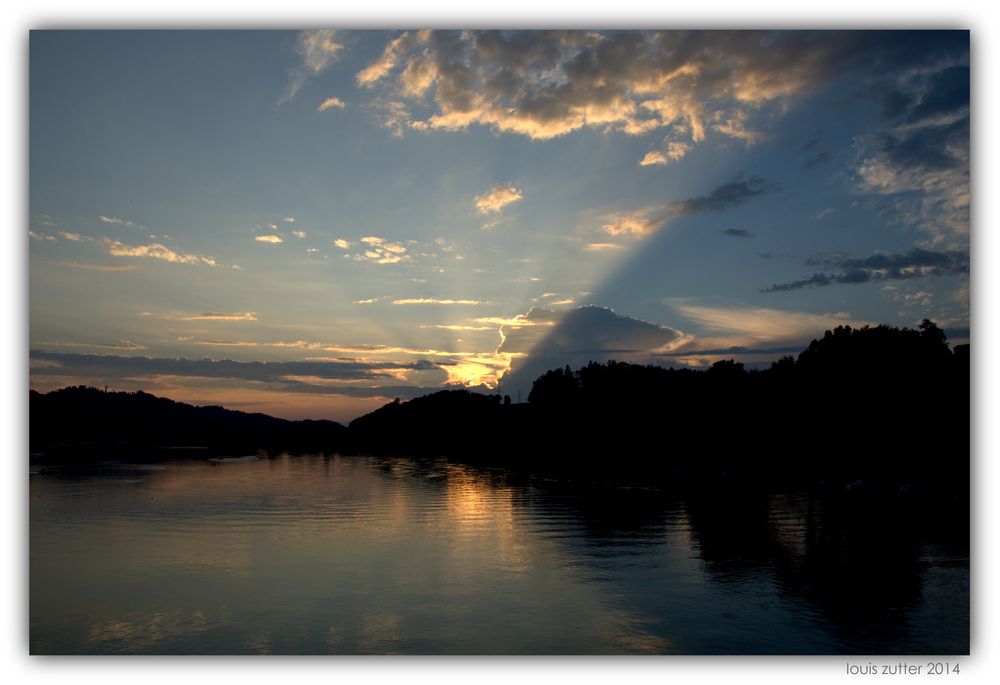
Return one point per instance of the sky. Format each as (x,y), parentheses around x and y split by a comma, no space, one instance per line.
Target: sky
(311,224)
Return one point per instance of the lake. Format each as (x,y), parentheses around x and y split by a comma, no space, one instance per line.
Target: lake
(359,555)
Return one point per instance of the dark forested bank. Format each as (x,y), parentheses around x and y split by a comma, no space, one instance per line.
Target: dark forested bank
(82,423)
(879,404)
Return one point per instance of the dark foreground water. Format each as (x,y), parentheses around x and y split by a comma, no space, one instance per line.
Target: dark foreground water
(331,555)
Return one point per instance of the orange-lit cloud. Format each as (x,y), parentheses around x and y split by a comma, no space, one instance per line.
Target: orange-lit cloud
(390,57)
(109,266)
(120,345)
(497,198)
(379,251)
(557,82)
(672,151)
(115,220)
(221,316)
(227,343)
(458,327)
(636,223)
(330,103)
(434,300)
(272,239)
(156,251)
(318,49)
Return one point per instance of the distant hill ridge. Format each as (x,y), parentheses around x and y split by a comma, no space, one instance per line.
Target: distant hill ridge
(78,415)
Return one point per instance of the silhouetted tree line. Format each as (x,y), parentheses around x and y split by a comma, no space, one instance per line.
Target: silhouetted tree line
(875,403)
(880,403)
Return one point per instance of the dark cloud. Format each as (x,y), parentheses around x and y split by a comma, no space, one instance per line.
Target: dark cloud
(287,375)
(919,162)
(736,349)
(576,337)
(880,266)
(738,233)
(727,196)
(942,93)
(929,147)
(822,158)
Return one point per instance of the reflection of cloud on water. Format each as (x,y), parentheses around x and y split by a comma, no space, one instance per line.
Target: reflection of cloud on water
(138,634)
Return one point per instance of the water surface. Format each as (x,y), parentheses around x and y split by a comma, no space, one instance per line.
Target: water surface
(335,555)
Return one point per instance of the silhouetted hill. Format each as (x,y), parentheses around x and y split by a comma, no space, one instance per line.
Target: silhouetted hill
(141,425)
(446,422)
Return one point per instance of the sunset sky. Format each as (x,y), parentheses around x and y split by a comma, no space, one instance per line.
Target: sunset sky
(311,224)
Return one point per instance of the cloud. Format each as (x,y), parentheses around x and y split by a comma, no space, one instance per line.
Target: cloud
(156,251)
(654,157)
(672,151)
(434,300)
(738,233)
(272,239)
(921,162)
(544,339)
(227,343)
(72,237)
(727,196)
(498,197)
(317,49)
(349,377)
(299,234)
(120,345)
(917,263)
(821,158)
(733,124)
(546,84)
(458,327)
(393,115)
(34,235)
(390,57)
(377,250)
(221,316)
(760,330)
(330,103)
(583,330)
(598,247)
(109,266)
(637,223)
(337,375)
(115,220)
